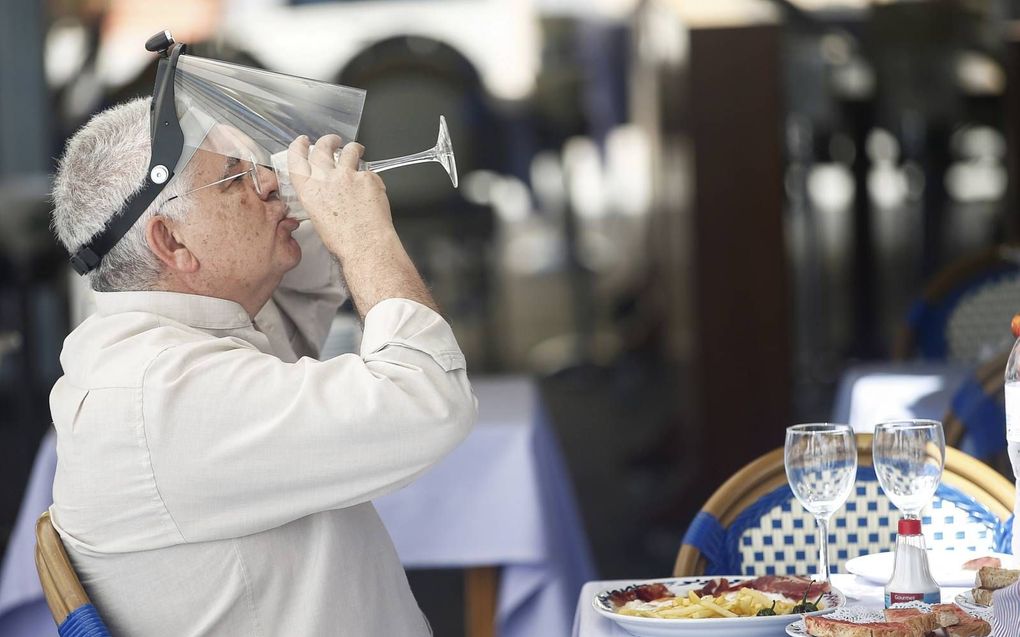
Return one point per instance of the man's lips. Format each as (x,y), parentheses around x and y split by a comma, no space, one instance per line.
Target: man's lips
(289,224)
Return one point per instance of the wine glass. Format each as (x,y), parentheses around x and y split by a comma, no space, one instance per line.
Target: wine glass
(442,153)
(821,466)
(909,456)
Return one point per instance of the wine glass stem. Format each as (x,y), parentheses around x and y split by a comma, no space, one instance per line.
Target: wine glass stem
(823,547)
(380,165)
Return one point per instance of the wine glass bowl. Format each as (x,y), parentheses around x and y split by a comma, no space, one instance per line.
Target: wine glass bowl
(909,456)
(821,467)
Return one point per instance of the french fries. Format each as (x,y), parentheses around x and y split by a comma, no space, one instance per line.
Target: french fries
(745,602)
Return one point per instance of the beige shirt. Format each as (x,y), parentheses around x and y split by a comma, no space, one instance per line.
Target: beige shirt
(211,482)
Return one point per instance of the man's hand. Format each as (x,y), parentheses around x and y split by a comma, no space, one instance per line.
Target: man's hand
(347,206)
(352,216)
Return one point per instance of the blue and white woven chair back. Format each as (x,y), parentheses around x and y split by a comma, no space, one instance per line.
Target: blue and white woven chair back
(977,327)
(970,324)
(776,536)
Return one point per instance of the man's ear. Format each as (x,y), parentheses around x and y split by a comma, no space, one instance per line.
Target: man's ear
(168,248)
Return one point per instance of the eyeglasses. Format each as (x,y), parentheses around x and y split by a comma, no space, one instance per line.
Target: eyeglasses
(253,171)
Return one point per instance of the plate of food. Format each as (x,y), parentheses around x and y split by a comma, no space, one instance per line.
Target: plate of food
(949,568)
(737,605)
(988,580)
(902,620)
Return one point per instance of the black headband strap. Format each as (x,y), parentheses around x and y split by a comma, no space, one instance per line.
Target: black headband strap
(167,144)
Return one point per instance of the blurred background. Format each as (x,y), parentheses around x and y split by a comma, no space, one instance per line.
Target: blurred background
(684,219)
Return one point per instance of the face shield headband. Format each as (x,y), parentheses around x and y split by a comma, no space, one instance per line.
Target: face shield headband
(167,145)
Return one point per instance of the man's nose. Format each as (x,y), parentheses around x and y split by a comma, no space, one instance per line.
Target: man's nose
(267,180)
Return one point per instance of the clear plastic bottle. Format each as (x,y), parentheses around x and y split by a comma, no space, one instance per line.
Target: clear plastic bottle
(1013,428)
(911,579)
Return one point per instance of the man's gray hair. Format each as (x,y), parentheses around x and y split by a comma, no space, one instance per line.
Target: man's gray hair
(104,163)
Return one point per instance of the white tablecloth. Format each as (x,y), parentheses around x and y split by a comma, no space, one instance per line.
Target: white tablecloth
(588,623)
(502,498)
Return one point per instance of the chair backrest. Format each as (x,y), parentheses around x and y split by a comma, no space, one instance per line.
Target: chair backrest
(411,81)
(72,611)
(753,524)
(964,312)
(976,419)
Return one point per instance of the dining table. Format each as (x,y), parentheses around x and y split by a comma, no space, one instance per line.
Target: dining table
(858,591)
(502,499)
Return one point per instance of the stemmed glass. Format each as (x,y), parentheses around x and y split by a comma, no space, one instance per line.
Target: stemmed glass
(909,456)
(821,466)
(442,153)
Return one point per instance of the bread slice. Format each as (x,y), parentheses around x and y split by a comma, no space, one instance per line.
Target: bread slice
(982,596)
(948,614)
(995,578)
(904,622)
(917,621)
(973,627)
(824,627)
(960,623)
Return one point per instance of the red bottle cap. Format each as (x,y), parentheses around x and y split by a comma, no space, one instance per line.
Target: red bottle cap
(909,526)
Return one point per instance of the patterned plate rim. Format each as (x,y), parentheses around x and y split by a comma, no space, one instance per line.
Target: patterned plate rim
(835,598)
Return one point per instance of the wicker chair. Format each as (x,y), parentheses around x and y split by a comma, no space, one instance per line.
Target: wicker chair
(964,312)
(963,316)
(74,613)
(976,418)
(753,524)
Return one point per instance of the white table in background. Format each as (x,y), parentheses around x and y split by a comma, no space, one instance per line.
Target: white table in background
(503,498)
(588,623)
(871,393)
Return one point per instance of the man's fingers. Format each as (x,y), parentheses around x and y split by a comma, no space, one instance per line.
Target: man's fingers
(297,161)
(322,155)
(350,156)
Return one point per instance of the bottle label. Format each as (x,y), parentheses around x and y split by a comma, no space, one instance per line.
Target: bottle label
(1013,412)
(898,598)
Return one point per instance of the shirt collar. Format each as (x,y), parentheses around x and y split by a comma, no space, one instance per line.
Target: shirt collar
(204,312)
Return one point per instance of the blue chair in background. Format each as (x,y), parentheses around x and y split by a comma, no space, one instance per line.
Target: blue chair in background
(753,524)
(976,419)
(963,314)
(74,613)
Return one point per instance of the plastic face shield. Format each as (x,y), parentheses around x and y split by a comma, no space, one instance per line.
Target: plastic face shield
(267,110)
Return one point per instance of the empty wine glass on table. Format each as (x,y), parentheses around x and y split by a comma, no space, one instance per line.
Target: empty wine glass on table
(821,466)
(909,456)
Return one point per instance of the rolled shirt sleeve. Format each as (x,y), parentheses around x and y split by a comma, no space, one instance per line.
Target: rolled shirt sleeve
(240,441)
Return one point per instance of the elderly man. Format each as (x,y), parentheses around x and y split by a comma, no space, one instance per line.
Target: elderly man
(214,478)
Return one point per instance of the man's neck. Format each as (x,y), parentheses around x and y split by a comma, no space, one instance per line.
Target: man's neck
(251,301)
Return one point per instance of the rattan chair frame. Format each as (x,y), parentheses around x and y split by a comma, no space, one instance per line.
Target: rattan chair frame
(64,592)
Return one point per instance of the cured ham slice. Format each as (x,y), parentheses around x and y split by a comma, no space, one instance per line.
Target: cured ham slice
(978,562)
(643,592)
